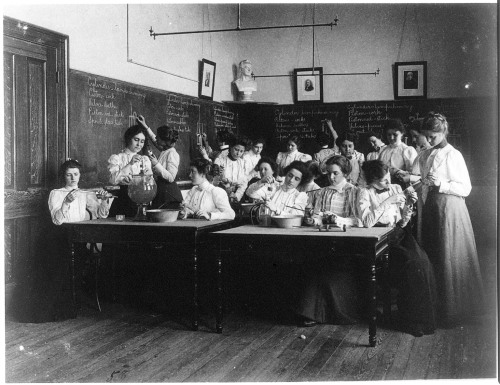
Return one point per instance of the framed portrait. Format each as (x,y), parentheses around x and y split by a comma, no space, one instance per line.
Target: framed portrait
(308,85)
(206,79)
(410,80)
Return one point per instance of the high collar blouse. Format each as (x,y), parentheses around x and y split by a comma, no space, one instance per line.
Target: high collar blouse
(285,158)
(374,209)
(211,199)
(340,200)
(77,210)
(400,156)
(168,164)
(250,159)
(448,165)
(119,167)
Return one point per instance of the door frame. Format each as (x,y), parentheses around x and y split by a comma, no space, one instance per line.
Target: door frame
(57,132)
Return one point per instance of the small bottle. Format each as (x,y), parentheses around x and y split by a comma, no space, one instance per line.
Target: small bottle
(265,216)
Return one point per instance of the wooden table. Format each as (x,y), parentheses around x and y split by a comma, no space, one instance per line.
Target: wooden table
(295,243)
(188,235)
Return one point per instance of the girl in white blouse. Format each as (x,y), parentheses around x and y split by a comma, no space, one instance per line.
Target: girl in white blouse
(447,233)
(234,177)
(205,200)
(165,167)
(285,158)
(287,199)
(131,161)
(397,155)
(267,185)
(69,204)
(384,204)
(252,157)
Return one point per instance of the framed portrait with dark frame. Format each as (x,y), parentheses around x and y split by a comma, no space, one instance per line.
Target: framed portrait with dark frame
(410,80)
(206,79)
(308,85)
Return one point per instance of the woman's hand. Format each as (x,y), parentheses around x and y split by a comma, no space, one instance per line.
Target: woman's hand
(142,121)
(127,179)
(135,159)
(102,195)
(152,157)
(267,179)
(70,197)
(271,206)
(202,214)
(398,199)
(433,180)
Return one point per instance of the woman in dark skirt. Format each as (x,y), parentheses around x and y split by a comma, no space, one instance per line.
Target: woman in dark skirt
(385,204)
(447,234)
(331,293)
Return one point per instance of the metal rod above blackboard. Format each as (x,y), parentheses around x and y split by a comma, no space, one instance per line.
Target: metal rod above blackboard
(334,74)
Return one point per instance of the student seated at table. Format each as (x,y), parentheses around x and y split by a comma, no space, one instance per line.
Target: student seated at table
(332,292)
(233,177)
(205,200)
(286,199)
(266,185)
(385,204)
(252,157)
(69,204)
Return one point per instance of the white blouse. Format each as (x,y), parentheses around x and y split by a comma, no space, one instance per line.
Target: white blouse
(375,154)
(77,208)
(211,199)
(448,165)
(261,191)
(168,164)
(285,158)
(398,156)
(289,202)
(119,168)
(373,209)
(250,159)
(234,171)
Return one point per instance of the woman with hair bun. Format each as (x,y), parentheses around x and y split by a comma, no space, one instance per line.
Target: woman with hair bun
(292,154)
(205,200)
(447,233)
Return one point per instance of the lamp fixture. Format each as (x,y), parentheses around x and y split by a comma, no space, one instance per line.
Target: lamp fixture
(238,28)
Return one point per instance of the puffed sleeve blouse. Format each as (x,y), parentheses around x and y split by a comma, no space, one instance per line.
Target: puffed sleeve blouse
(261,191)
(77,210)
(399,156)
(211,199)
(373,210)
(289,202)
(168,164)
(449,166)
(285,158)
(234,171)
(119,167)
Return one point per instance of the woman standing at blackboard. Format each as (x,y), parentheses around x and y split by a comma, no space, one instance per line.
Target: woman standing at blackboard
(397,155)
(447,232)
(165,167)
(131,161)
(285,158)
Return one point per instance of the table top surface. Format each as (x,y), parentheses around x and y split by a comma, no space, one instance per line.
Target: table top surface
(375,233)
(186,223)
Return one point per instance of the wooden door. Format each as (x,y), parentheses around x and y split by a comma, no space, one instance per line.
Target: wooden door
(35,139)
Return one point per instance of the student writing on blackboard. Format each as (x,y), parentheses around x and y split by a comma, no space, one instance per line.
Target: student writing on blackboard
(208,153)
(324,140)
(133,160)
(234,177)
(165,167)
(397,155)
(292,154)
(376,143)
(448,237)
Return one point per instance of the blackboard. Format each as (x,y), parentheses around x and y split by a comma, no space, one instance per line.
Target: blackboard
(473,125)
(101,110)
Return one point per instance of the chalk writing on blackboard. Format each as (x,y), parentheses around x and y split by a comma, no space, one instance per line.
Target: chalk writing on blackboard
(223,119)
(177,113)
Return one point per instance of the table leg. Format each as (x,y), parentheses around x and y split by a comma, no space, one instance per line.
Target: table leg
(73,279)
(195,289)
(219,314)
(386,287)
(372,327)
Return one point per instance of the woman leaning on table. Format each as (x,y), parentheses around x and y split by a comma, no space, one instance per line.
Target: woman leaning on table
(332,292)
(447,234)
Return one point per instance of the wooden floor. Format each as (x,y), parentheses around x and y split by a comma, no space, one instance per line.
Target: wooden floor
(121,344)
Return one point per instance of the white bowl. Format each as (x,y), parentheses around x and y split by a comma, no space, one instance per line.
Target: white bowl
(287,221)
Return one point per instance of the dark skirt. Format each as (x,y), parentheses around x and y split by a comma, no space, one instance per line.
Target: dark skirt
(448,239)
(123,204)
(168,195)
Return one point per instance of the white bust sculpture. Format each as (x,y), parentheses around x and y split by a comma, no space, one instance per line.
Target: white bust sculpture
(245,83)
